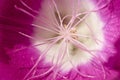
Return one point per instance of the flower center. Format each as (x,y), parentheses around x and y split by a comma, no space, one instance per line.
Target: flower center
(69,37)
(66,33)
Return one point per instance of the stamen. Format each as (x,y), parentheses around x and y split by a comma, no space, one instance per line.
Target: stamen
(92,32)
(57,10)
(58,13)
(24,4)
(25,11)
(81,74)
(79,45)
(76,16)
(65,18)
(28,36)
(28,13)
(34,72)
(95,10)
(74,13)
(83,13)
(43,74)
(60,57)
(82,46)
(46,23)
(102,7)
(80,35)
(35,45)
(102,67)
(43,40)
(41,56)
(71,22)
(80,21)
(47,29)
(75,42)
(57,24)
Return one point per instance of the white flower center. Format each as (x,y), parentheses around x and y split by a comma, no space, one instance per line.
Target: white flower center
(69,36)
(68,33)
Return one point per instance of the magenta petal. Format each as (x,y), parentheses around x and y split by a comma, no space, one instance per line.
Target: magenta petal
(14,65)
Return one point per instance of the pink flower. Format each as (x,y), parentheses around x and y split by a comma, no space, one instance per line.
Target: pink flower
(65,40)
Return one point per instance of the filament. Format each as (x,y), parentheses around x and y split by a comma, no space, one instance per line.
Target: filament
(43,74)
(24,4)
(47,29)
(25,11)
(58,13)
(41,56)
(69,58)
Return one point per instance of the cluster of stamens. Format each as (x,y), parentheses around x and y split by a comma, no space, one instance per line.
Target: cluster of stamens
(66,34)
